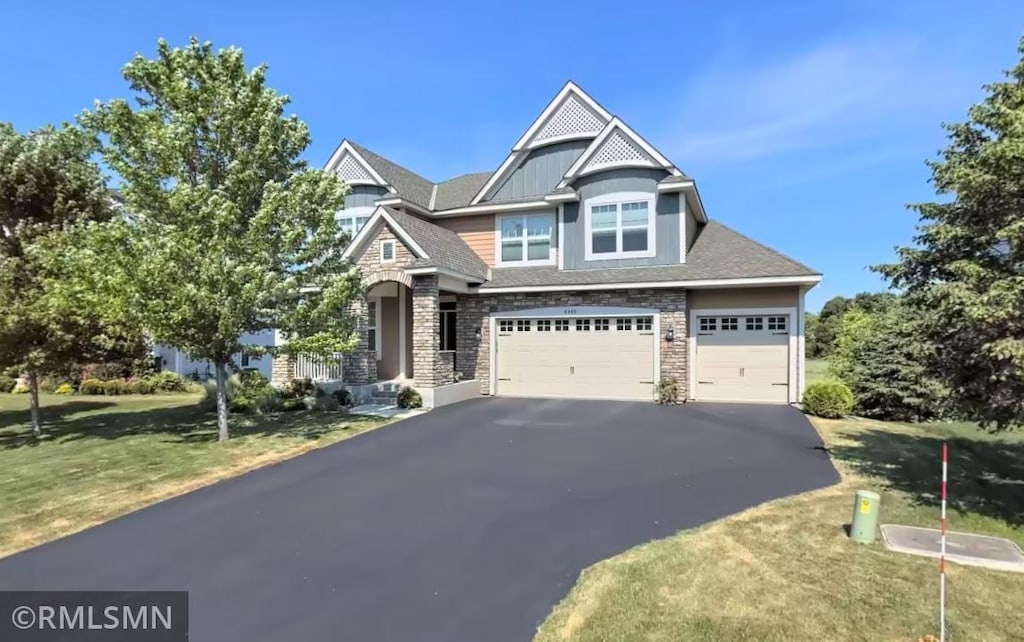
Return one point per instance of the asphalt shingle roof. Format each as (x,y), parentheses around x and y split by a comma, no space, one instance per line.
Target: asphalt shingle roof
(410,185)
(719,252)
(444,247)
(459,191)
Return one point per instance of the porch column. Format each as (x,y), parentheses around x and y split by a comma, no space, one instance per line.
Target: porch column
(426,332)
(359,365)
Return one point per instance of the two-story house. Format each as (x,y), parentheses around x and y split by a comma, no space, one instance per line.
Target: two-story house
(584,266)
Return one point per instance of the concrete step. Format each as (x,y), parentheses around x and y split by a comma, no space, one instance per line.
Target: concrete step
(379,400)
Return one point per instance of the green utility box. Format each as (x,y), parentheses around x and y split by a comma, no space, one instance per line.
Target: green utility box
(864,524)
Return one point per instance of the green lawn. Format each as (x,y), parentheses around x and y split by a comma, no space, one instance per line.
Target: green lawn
(785,570)
(105,456)
(815,370)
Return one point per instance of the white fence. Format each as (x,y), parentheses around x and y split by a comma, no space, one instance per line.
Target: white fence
(317,368)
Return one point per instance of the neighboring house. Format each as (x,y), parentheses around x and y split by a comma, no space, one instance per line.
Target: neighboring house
(583,266)
(178,361)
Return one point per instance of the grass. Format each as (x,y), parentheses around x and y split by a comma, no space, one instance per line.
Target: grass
(815,370)
(106,456)
(785,570)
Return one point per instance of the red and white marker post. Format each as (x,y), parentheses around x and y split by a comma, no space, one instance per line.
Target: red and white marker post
(942,546)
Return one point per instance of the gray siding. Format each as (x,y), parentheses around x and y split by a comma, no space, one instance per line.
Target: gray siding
(622,180)
(691,228)
(541,171)
(363,195)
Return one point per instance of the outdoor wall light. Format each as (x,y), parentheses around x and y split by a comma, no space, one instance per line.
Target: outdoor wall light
(477,334)
(670,333)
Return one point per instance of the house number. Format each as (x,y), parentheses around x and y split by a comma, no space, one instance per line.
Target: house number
(569,311)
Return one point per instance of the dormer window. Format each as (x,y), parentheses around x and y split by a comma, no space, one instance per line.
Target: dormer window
(620,226)
(525,239)
(352,220)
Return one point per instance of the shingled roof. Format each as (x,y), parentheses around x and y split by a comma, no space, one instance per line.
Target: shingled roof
(408,184)
(719,252)
(444,248)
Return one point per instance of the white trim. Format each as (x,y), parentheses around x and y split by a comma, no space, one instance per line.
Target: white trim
(402,365)
(488,208)
(433,197)
(656,326)
(377,341)
(576,169)
(562,198)
(452,285)
(700,204)
(399,201)
(492,349)
(696,283)
(617,199)
(801,363)
(346,147)
(363,235)
(683,213)
(499,262)
(394,250)
(560,215)
(674,186)
(692,354)
(442,272)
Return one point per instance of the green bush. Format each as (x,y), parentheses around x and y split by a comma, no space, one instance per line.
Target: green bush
(327,403)
(409,398)
(140,387)
(300,388)
(668,391)
(7,383)
(90,387)
(20,389)
(64,389)
(114,387)
(49,384)
(344,397)
(248,391)
(167,381)
(831,399)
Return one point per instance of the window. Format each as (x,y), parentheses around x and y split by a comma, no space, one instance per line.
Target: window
(387,251)
(582,325)
(777,323)
(543,325)
(448,328)
(523,325)
(525,239)
(600,324)
(755,323)
(623,324)
(643,324)
(730,323)
(505,325)
(371,326)
(561,325)
(620,226)
(708,324)
(352,220)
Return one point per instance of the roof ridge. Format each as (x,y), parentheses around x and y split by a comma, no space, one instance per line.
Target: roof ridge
(362,149)
(761,245)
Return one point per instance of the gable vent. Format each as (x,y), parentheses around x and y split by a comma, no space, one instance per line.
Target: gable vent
(350,171)
(618,150)
(573,118)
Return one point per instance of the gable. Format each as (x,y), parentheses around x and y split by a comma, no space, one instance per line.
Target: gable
(617,147)
(540,172)
(368,255)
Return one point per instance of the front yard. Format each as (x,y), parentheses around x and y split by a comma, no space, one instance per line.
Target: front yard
(786,570)
(106,456)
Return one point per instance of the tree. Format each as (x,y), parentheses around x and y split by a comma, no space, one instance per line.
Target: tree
(229,231)
(883,359)
(811,322)
(965,273)
(827,328)
(48,186)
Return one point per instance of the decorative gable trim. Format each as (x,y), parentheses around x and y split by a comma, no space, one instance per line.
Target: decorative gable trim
(370,231)
(617,146)
(351,167)
(571,114)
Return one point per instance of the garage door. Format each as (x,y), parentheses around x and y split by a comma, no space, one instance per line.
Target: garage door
(594,357)
(743,358)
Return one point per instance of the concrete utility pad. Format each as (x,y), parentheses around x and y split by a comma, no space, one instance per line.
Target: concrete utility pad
(963,548)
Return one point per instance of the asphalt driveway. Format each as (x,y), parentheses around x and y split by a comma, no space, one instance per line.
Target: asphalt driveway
(464,524)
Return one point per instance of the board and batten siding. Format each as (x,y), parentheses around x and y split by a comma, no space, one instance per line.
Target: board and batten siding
(363,195)
(691,228)
(622,180)
(725,298)
(476,231)
(541,171)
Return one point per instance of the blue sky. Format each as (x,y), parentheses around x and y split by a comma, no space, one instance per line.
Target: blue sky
(806,125)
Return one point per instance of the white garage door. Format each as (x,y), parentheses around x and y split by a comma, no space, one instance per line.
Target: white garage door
(743,358)
(594,357)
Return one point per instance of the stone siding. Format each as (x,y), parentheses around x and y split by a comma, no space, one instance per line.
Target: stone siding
(282,369)
(428,370)
(369,261)
(473,312)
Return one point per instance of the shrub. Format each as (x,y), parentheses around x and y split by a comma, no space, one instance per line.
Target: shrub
(327,403)
(48,384)
(91,387)
(668,391)
(167,381)
(830,399)
(64,389)
(409,398)
(7,383)
(20,389)
(104,371)
(140,387)
(248,391)
(114,387)
(344,397)
(299,388)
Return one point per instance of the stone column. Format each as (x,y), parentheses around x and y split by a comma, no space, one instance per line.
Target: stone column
(282,369)
(359,365)
(426,333)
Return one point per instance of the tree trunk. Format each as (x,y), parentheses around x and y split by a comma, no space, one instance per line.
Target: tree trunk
(222,402)
(33,402)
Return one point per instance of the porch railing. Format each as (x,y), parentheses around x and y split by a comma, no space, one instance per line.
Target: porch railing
(317,368)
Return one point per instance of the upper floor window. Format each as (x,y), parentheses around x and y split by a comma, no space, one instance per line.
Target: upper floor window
(620,226)
(387,251)
(352,220)
(525,239)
